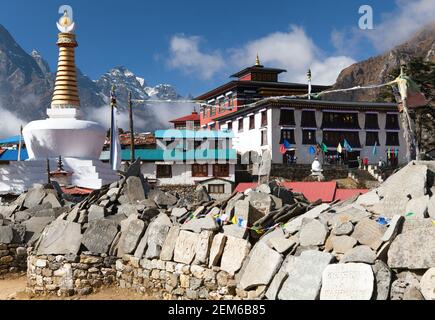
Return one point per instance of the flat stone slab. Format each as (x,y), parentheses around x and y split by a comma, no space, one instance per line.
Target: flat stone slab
(96,213)
(169,245)
(99,236)
(313,233)
(34,197)
(197,225)
(52,200)
(352,281)
(235,252)
(157,232)
(359,254)
(216,250)
(417,206)
(383,277)
(129,240)
(431,207)
(235,231)
(427,284)
(134,190)
(411,180)
(185,247)
(342,244)
(305,276)
(60,237)
(282,245)
(264,262)
(6,234)
(412,249)
(34,227)
(203,247)
(393,228)
(369,232)
(295,225)
(178,212)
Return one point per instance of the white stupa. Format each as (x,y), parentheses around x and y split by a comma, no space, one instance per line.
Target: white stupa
(78,142)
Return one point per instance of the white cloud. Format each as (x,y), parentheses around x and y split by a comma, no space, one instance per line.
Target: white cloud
(393,29)
(292,50)
(10,124)
(186,56)
(170,111)
(295,52)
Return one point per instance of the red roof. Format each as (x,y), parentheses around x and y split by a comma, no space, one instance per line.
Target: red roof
(344,194)
(76,191)
(326,191)
(314,191)
(191,117)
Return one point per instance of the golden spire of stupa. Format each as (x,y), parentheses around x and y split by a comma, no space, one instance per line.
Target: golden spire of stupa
(257,61)
(66,94)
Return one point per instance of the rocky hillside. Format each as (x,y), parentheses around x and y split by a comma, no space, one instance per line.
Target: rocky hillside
(26,85)
(375,70)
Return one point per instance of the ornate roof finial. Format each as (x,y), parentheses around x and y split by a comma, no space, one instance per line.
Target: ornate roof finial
(257,61)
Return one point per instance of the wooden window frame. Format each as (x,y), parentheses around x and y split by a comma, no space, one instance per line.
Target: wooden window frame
(221,173)
(196,173)
(221,187)
(159,174)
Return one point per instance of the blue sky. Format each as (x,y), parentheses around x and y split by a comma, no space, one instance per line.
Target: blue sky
(195,45)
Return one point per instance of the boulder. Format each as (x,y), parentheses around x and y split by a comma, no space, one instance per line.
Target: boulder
(200,224)
(427,284)
(235,252)
(369,232)
(305,276)
(243,209)
(313,233)
(127,209)
(260,201)
(342,244)
(34,196)
(162,199)
(410,250)
(99,236)
(234,230)
(52,200)
(417,206)
(6,234)
(269,260)
(295,225)
(342,229)
(359,254)
(383,277)
(60,238)
(96,213)
(34,227)
(134,190)
(281,244)
(351,281)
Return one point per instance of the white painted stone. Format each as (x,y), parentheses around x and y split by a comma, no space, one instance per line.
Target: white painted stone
(351,281)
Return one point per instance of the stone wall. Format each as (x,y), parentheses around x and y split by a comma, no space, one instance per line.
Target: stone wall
(299,172)
(69,275)
(12,258)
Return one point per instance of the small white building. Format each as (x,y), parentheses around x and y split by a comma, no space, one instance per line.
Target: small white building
(373,130)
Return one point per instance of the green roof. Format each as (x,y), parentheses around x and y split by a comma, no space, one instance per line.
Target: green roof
(176,155)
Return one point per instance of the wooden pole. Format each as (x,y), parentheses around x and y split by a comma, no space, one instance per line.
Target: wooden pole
(48,171)
(130,110)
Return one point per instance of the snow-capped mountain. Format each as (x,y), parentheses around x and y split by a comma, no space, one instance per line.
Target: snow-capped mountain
(26,87)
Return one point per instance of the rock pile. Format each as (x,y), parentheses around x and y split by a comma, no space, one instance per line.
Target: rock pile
(264,243)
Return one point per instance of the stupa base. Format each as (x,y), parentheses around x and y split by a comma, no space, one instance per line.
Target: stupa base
(17,177)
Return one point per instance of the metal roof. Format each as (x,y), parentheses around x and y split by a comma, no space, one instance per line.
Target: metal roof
(11,140)
(193,134)
(175,155)
(12,155)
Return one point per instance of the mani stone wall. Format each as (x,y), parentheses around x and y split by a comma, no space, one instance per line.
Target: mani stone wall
(12,258)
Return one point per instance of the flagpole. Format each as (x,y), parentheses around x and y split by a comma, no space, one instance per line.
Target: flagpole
(132,146)
(112,125)
(20,143)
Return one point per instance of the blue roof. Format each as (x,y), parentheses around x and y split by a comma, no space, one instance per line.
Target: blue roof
(176,155)
(11,140)
(12,155)
(192,134)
